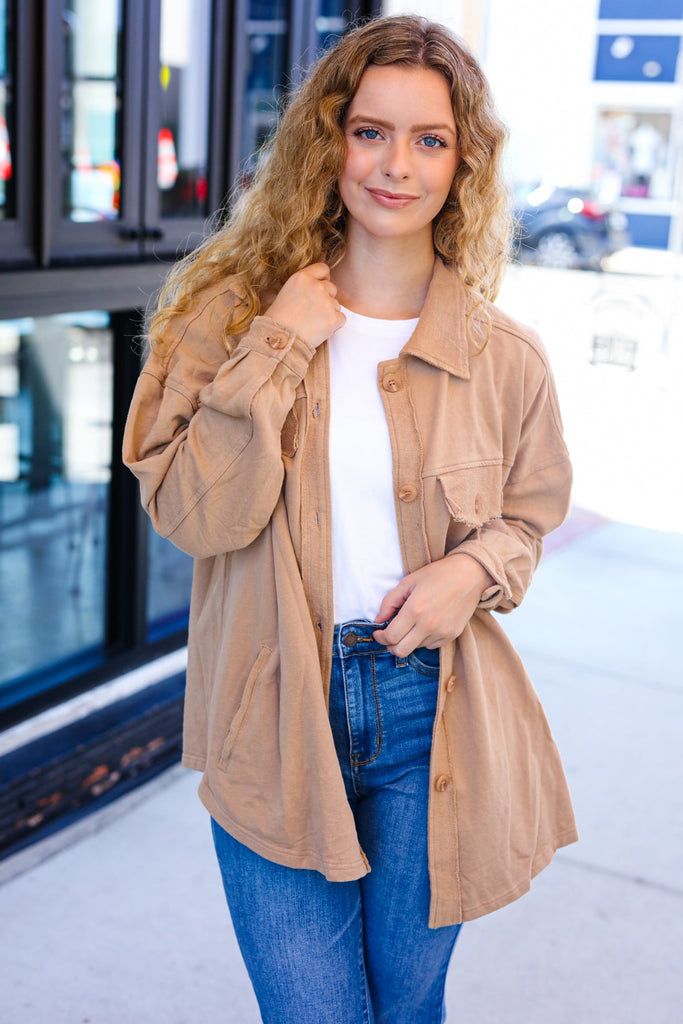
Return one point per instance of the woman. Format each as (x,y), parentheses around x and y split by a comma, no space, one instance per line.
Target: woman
(362,454)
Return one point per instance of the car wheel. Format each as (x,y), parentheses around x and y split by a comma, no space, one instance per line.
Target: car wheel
(557,249)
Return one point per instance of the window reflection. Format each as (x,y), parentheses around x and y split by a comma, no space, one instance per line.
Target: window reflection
(184,78)
(267,35)
(633,154)
(169,581)
(7,23)
(332,22)
(55,458)
(91,110)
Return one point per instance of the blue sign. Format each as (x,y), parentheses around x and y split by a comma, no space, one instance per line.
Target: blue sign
(637,58)
(650,10)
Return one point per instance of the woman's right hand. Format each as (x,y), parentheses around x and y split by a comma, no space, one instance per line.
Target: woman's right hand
(307,304)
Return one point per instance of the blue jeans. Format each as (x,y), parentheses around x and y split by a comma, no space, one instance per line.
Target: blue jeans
(360,952)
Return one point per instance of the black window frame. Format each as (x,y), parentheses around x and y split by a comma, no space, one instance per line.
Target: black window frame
(139,232)
(63,240)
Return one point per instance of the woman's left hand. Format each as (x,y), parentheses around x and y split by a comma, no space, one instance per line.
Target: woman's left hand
(432,605)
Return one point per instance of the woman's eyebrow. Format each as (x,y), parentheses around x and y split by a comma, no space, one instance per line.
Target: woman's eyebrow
(432,128)
(369,119)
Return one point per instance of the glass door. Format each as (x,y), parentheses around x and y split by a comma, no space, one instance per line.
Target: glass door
(332,22)
(16,96)
(55,467)
(134,137)
(178,193)
(262,36)
(7,110)
(90,108)
(93,192)
(267,32)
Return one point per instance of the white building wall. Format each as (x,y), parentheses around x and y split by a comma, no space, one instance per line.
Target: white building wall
(448,12)
(538,55)
(539,58)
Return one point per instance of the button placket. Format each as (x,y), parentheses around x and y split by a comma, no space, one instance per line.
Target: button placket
(406,447)
(316,569)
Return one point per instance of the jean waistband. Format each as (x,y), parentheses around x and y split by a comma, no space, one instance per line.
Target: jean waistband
(355,637)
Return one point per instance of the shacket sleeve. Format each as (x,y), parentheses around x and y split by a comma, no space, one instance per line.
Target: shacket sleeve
(203,430)
(536,498)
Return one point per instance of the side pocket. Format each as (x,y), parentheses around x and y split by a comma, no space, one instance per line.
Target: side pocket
(243,709)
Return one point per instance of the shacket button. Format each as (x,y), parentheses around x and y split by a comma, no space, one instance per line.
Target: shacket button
(408,492)
(276,339)
(390,383)
(451,683)
(442,783)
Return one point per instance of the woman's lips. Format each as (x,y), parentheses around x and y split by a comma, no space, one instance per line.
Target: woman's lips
(392,200)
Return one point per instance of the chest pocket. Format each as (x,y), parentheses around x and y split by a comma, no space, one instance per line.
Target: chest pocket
(473,494)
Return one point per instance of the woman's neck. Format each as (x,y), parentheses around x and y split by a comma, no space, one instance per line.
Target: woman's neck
(386,281)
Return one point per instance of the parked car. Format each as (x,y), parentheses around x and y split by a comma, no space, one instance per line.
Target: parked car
(563,227)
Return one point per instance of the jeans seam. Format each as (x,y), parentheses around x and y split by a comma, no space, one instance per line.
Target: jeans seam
(378,714)
(365,987)
(440,987)
(355,781)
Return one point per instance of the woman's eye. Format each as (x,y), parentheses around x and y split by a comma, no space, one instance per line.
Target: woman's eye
(432,141)
(368,133)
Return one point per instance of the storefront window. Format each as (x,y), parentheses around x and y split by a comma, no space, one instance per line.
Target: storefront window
(267,37)
(91,110)
(55,461)
(169,581)
(7,133)
(332,22)
(184,78)
(633,156)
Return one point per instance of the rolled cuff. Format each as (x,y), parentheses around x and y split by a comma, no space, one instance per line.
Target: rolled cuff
(270,338)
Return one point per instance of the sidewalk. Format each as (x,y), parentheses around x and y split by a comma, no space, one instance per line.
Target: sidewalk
(123,921)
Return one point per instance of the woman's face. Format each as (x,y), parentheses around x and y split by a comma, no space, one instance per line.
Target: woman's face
(401,153)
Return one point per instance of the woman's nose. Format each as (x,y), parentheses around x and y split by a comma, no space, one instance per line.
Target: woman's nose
(397,161)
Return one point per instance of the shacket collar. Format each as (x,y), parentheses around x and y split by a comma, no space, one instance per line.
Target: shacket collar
(440,337)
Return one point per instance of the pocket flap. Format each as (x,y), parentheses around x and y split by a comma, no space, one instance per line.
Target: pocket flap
(474,494)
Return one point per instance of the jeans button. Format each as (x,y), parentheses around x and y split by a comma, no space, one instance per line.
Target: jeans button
(350,640)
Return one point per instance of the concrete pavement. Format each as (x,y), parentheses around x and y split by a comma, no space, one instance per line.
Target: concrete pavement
(122,921)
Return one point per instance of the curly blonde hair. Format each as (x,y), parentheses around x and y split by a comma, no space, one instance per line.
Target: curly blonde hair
(291,213)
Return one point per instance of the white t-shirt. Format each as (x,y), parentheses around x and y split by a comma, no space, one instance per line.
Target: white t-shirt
(366,554)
